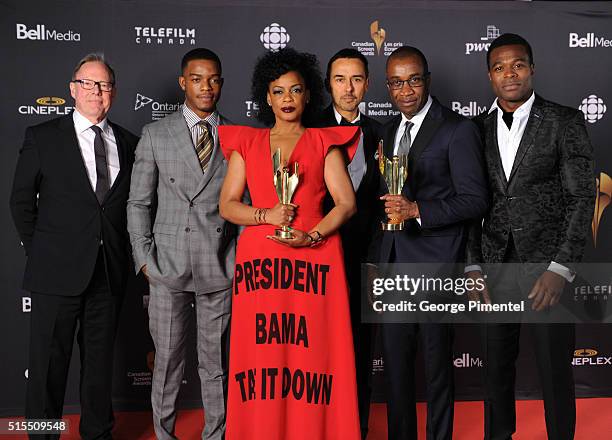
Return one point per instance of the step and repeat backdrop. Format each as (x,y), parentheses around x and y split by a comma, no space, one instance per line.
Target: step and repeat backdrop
(145,40)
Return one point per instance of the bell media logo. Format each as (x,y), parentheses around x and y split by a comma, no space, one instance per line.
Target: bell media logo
(46,105)
(274,37)
(467,360)
(492,32)
(590,40)
(41,33)
(593,108)
(378,37)
(165,35)
(471,109)
(159,110)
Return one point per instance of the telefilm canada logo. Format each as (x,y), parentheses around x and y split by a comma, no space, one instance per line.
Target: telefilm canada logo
(40,32)
(588,357)
(251,109)
(378,42)
(588,40)
(165,35)
(593,108)
(159,110)
(492,32)
(47,106)
(274,37)
(469,109)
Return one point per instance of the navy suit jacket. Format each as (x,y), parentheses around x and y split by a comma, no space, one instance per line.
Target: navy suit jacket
(446,177)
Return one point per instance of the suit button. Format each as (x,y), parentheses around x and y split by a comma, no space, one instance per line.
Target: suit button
(191,204)
(218,229)
(187,229)
(171,179)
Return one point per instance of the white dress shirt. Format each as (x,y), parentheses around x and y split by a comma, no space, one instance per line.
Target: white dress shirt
(508,141)
(417,121)
(86,136)
(195,129)
(357,167)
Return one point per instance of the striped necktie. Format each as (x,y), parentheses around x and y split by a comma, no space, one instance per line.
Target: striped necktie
(205,144)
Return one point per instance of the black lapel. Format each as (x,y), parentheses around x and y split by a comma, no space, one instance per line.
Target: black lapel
(533,123)
(389,136)
(433,120)
(490,127)
(74,158)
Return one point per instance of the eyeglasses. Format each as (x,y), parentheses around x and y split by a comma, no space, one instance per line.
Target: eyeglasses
(89,84)
(415,81)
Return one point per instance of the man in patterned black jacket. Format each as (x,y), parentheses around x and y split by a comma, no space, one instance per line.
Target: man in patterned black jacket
(541,178)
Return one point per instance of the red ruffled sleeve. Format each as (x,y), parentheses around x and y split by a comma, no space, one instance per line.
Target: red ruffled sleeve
(344,137)
(235,138)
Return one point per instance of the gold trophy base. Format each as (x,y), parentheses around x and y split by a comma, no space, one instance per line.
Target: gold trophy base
(392,226)
(281,233)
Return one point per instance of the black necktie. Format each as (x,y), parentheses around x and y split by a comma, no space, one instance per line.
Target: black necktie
(345,122)
(103,180)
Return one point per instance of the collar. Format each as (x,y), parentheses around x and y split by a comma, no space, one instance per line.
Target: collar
(192,118)
(81,123)
(524,109)
(339,116)
(418,118)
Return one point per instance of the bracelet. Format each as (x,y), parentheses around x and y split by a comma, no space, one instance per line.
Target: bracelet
(260,215)
(317,239)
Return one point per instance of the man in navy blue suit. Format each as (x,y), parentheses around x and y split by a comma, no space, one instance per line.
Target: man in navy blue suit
(446,189)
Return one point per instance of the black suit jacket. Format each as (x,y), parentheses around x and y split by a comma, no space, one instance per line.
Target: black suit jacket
(358,231)
(61,229)
(547,204)
(446,177)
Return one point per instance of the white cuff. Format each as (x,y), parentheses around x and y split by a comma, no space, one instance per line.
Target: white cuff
(559,269)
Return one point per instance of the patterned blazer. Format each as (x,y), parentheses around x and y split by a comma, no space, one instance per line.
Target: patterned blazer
(547,204)
(173,211)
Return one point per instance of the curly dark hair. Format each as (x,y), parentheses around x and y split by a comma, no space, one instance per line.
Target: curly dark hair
(273,65)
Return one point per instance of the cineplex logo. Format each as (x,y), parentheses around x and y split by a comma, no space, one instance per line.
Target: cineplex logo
(588,40)
(588,356)
(165,35)
(41,33)
(47,105)
(491,34)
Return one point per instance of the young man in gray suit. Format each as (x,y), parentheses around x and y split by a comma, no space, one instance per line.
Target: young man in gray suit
(187,253)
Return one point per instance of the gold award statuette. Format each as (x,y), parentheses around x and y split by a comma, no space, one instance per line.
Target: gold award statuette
(395,173)
(285,187)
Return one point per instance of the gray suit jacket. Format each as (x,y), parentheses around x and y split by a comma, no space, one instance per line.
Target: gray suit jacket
(173,211)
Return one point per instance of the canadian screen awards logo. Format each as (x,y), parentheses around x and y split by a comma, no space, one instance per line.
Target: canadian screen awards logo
(159,110)
(46,105)
(274,37)
(492,32)
(602,200)
(593,108)
(40,32)
(378,43)
(165,35)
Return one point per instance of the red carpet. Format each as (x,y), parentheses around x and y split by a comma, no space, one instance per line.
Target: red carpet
(594,422)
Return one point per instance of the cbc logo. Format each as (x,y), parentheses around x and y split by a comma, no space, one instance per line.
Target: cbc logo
(593,108)
(274,37)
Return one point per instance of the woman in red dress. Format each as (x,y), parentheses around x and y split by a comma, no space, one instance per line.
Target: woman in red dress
(291,373)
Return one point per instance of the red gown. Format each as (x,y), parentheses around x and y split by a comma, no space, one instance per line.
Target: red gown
(291,370)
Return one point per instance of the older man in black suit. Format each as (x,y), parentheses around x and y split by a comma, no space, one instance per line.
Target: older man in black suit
(540,167)
(68,203)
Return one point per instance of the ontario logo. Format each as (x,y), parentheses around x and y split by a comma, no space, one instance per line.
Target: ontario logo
(165,35)
(159,110)
(491,33)
(274,37)
(46,105)
(377,42)
(41,33)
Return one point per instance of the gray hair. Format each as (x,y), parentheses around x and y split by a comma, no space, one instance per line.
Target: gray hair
(94,57)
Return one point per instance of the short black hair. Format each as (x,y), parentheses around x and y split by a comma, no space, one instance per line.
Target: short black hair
(272,66)
(345,53)
(409,51)
(200,53)
(509,40)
